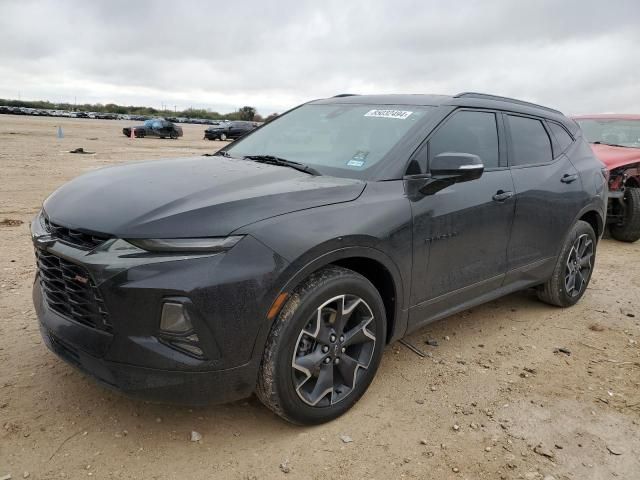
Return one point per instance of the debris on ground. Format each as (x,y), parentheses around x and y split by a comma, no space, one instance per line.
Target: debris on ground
(284,467)
(615,450)
(431,342)
(10,222)
(413,348)
(540,449)
(596,327)
(196,436)
(564,350)
(81,150)
(346,439)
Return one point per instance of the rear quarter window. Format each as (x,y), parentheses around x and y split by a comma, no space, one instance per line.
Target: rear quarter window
(563,139)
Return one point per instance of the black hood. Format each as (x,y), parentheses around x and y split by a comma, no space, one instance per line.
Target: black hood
(189,197)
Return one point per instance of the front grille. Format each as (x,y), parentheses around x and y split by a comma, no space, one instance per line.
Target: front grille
(70,291)
(73,237)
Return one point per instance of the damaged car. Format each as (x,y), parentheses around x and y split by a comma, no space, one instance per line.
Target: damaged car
(615,140)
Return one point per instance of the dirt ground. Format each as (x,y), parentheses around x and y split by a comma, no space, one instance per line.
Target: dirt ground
(491,401)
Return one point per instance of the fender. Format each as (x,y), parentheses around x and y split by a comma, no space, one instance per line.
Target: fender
(593,206)
(302,268)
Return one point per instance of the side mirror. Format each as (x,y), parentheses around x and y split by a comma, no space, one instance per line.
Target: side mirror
(455,166)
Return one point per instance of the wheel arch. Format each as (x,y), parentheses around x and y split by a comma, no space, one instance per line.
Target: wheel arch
(593,218)
(376,267)
(633,182)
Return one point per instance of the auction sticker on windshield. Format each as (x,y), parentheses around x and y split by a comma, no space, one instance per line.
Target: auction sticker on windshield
(398,114)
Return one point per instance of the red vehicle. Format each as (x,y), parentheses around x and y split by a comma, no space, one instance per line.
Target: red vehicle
(615,140)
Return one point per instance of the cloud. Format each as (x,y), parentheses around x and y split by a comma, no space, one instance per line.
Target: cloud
(579,56)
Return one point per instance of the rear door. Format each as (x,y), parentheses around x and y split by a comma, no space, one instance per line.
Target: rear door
(548,197)
(461,233)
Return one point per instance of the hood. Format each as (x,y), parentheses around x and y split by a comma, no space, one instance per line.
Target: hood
(189,197)
(614,157)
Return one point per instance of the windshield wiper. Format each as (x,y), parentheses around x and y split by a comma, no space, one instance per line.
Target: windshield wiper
(272,160)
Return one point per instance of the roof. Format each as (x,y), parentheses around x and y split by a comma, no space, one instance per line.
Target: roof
(389,99)
(608,116)
(468,99)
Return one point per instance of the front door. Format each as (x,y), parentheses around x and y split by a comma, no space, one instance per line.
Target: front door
(461,233)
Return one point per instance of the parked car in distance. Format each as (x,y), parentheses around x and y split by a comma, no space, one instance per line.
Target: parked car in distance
(229,130)
(157,127)
(615,139)
(285,264)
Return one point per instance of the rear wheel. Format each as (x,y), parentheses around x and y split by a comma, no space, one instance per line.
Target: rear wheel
(628,230)
(223,137)
(324,348)
(573,268)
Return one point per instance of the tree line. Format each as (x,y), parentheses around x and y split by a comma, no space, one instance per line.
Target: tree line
(244,113)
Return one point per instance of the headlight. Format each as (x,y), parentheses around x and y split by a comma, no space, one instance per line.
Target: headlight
(211,244)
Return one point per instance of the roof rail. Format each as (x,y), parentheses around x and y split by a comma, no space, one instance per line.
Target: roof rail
(486,96)
(340,95)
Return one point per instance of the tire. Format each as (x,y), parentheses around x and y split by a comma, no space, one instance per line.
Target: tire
(296,380)
(223,137)
(629,229)
(576,259)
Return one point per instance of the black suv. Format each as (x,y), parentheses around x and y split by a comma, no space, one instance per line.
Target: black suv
(229,130)
(287,262)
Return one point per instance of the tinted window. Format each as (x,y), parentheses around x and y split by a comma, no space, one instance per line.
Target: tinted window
(468,132)
(561,135)
(529,141)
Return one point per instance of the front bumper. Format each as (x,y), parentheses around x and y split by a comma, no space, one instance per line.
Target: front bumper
(227,296)
(66,340)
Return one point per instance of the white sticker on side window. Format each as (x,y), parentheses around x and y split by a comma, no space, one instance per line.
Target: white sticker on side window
(398,114)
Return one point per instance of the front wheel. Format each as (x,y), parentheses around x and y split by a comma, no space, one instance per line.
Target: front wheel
(628,230)
(223,137)
(324,348)
(573,268)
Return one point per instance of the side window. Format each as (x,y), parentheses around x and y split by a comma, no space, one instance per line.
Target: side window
(562,137)
(468,132)
(530,143)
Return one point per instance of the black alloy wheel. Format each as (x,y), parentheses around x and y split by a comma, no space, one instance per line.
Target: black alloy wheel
(573,268)
(579,265)
(332,348)
(324,347)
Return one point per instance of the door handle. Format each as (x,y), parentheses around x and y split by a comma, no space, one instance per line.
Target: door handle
(501,196)
(569,178)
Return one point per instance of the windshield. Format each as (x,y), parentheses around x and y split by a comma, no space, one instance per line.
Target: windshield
(336,139)
(625,133)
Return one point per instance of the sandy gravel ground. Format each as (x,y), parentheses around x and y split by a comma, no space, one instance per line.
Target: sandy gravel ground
(491,401)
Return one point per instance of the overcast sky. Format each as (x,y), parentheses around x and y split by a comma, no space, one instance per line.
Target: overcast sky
(578,56)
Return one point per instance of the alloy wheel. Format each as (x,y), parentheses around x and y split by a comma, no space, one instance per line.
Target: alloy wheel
(334,347)
(578,266)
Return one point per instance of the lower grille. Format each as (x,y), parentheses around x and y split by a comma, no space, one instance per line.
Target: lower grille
(70,291)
